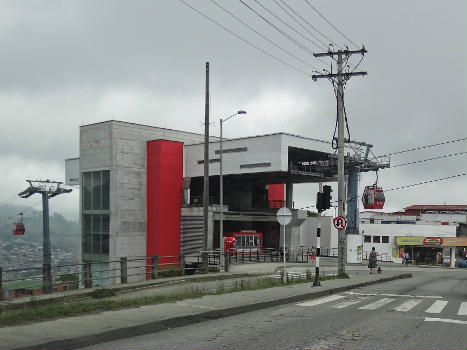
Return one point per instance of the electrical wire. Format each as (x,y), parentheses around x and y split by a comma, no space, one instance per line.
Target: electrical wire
(299,23)
(423,147)
(300,45)
(429,159)
(332,25)
(310,25)
(263,36)
(246,41)
(289,26)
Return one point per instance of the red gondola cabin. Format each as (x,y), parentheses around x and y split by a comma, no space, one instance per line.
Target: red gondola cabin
(19,229)
(373,197)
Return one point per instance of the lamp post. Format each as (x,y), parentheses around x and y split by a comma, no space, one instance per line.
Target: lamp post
(221,179)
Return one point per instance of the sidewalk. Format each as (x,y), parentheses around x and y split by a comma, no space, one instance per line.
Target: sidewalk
(80,331)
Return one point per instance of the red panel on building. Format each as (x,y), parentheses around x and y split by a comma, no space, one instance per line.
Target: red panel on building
(276,196)
(163,198)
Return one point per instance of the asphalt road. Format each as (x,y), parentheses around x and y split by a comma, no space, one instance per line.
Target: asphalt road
(427,311)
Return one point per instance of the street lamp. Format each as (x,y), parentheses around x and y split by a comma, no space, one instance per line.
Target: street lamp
(221,222)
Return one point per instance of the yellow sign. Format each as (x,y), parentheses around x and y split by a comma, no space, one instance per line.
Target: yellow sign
(408,240)
(454,242)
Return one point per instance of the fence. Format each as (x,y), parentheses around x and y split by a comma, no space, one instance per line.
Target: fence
(34,281)
(383,257)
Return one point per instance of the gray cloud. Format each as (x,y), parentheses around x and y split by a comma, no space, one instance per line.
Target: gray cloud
(64,64)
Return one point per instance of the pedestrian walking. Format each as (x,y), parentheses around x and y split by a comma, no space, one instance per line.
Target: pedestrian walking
(372,260)
(406,258)
(312,253)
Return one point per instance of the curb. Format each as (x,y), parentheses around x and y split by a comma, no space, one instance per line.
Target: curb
(157,326)
(121,289)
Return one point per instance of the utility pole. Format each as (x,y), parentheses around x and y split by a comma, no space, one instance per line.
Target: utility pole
(47,189)
(206,163)
(342,78)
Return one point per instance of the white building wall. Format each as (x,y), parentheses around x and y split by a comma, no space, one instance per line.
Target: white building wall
(328,233)
(393,230)
(260,150)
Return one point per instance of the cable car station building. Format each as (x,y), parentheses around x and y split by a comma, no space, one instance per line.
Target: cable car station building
(141,188)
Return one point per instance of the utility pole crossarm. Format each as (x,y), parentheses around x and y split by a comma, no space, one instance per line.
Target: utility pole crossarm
(344,52)
(335,75)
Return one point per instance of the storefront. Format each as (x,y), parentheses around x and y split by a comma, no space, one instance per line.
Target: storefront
(430,250)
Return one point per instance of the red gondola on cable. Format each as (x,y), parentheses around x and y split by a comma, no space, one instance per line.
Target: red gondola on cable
(373,197)
(18,227)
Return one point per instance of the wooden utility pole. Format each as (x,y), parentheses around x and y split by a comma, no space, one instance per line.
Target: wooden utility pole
(342,77)
(206,163)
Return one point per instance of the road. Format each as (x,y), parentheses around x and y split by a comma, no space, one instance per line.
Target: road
(427,311)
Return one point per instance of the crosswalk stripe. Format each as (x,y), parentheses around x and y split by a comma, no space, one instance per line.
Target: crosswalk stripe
(446,320)
(322,300)
(437,307)
(347,303)
(409,304)
(463,309)
(377,304)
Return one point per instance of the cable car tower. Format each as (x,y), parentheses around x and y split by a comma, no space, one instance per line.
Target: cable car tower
(48,189)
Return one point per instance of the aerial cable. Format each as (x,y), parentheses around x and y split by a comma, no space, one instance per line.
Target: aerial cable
(331,24)
(263,36)
(307,22)
(423,147)
(246,41)
(401,187)
(429,159)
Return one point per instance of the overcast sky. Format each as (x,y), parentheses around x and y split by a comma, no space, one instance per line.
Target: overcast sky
(68,63)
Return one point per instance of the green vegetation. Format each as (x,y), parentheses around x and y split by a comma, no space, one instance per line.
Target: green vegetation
(40,311)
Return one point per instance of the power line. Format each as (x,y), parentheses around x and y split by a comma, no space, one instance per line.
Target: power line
(423,147)
(332,25)
(304,20)
(429,159)
(8,201)
(289,26)
(296,42)
(263,36)
(246,41)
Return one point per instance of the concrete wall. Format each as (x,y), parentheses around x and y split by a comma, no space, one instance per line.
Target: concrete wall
(328,233)
(260,150)
(121,148)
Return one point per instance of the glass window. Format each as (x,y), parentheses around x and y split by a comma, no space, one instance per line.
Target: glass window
(96,190)
(87,234)
(87,195)
(376,239)
(105,189)
(367,239)
(385,239)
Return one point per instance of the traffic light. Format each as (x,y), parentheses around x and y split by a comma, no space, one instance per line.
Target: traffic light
(323,199)
(319,202)
(327,197)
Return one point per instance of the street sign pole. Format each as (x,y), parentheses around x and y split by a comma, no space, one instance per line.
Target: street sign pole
(284,216)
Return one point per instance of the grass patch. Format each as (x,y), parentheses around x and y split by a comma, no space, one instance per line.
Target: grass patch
(334,277)
(101,299)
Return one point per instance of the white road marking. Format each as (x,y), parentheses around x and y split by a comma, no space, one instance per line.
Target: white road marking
(437,307)
(408,305)
(347,303)
(365,294)
(445,320)
(322,300)
(463,309)
(376,304)
(412,296)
